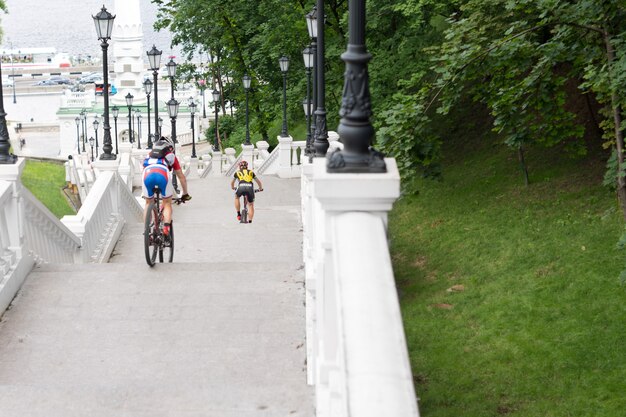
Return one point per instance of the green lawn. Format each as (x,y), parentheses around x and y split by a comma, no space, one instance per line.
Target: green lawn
(539,327)
(46,181)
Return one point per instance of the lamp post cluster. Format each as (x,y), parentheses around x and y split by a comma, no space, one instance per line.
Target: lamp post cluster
(315,27)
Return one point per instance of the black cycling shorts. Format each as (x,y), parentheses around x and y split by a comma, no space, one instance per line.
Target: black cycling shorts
(247,190)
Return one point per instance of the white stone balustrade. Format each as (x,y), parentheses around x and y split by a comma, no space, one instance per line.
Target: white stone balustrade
(357,355)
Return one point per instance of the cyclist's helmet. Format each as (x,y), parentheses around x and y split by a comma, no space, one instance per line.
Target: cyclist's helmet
(165,144)
(243,165)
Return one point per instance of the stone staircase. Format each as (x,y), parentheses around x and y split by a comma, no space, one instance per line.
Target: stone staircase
(219,332)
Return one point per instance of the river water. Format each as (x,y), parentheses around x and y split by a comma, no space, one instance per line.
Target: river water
(67,26)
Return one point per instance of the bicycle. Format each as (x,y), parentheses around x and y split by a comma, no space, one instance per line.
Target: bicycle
(244,211)
(154,239)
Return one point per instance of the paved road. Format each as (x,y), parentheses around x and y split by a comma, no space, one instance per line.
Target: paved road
(220,332)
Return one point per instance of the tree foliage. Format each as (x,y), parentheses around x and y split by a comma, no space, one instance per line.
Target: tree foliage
(523,60)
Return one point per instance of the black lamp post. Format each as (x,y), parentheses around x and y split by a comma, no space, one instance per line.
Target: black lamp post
(104,26)
(355,129)
(284,67)
(311,24)
(147,86)
(154,58)
(246,85)
(307,55)
(116,112)
(216,99)
(202,84)
(96,125)
(13,74)
(321,132)
(139,117)
(77,120)
(129,102)
(172,111)
(83,118)
(192,111)
(5,141)
(91,141)
(171,73)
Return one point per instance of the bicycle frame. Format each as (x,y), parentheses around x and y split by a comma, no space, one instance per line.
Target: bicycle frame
(154,238)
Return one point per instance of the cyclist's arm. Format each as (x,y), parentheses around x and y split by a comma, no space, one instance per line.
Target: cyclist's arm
(232,184)
(182,179)
(258,181)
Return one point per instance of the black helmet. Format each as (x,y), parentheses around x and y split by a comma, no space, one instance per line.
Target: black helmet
(243,165)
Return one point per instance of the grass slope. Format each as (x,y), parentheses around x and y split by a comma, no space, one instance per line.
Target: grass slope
(46,181)
(538,328)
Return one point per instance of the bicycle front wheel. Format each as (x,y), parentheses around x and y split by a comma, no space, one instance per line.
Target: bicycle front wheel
(166,251)
(151,234)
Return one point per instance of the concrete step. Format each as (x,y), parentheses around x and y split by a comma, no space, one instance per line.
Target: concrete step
(186,339)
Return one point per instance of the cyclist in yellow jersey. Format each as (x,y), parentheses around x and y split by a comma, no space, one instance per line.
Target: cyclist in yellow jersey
(245,187)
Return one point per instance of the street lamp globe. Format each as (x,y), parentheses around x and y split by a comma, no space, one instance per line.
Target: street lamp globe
(154,58)
(216,96)
(311,23)
(192,108)
(307,55)
(104,24)
(91,141)
(116,111)
(147,86)
(96,123)
(306,105)
(247,80)
(77,120)
(171,68)
(129,99)
(284,63)
(172,108)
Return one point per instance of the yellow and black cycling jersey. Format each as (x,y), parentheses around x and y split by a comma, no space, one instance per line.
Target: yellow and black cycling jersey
(244,175)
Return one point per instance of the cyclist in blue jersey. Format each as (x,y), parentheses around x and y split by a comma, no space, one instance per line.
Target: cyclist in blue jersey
(157,166)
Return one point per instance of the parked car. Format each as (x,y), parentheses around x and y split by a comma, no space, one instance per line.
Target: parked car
(90,78)
(46,82)
(59,79)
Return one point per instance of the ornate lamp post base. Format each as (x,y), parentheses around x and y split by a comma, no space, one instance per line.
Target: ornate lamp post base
(355,129)
(342,163)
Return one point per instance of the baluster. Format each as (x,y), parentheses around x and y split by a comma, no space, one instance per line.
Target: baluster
(294,155)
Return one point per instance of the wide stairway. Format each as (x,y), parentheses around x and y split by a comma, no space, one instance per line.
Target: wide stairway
(219,332)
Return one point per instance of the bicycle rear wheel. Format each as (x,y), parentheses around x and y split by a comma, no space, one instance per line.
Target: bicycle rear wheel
(166,251)
(244,212)
(151,234)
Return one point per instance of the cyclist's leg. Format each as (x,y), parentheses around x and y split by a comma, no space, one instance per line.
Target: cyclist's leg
(167,210)
(147,191)
(250,205)
(237,203)
(167,202)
